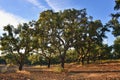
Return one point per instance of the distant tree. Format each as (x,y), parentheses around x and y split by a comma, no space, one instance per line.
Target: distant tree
(18,42)
(34,59)
(89,34)
(2,60)
(45,29)
(117,5)
(104,51)
(71,56)
(114,23)
(71,28)
(9,59)
(58,29)
(107,51)
(66,25)
(116,47)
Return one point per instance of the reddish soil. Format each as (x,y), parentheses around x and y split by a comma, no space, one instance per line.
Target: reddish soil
(106,71)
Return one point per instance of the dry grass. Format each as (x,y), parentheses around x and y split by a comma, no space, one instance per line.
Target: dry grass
(23,72)
(106,71)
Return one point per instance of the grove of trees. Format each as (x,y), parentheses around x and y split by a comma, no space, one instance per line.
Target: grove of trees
(60,37)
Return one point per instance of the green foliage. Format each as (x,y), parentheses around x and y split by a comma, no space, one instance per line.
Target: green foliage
(114,23)
(116,47)
(9,58)
(72,56)
(117,5)
(59,69)
(2,60)
(17,42)
(56,37)
(35,59)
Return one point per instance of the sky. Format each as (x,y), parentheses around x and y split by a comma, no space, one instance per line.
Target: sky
(18,11)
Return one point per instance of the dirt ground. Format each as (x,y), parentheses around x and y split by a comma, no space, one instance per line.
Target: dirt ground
(105,71)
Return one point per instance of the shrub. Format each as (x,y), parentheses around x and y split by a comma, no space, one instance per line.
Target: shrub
(59,69)
(4,69)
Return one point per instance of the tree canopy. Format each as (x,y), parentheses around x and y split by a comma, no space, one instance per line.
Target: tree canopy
(64,36)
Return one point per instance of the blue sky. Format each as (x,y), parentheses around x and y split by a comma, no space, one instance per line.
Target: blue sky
(18,11)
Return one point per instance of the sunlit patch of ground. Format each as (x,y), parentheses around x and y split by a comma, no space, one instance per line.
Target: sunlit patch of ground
(105,71)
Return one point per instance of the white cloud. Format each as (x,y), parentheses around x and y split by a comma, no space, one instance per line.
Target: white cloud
(8,18)
(53,5)
(58,5)
(37,4)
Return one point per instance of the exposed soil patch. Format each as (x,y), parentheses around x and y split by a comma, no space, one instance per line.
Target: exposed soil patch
(106,71)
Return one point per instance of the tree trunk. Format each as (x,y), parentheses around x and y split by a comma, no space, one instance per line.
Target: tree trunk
(63,58)
(94,59)
(62,62)
(21,66)
(49,62)
(88,60)
(99,58)
(79,59)
(82,60)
